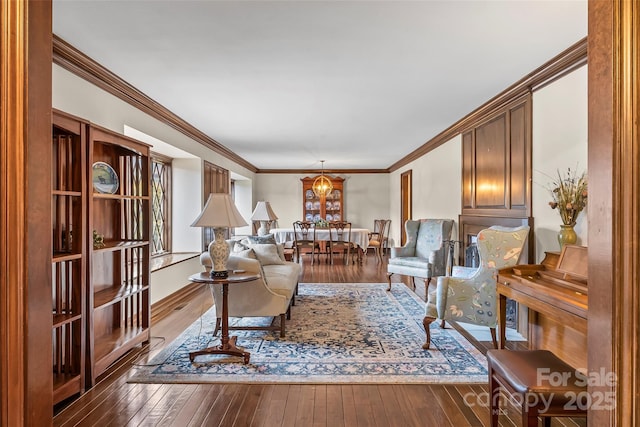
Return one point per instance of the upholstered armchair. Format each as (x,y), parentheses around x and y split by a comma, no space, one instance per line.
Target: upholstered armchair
(472,298)
(424,254)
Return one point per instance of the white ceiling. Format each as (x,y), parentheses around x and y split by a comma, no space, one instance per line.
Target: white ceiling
(285,84)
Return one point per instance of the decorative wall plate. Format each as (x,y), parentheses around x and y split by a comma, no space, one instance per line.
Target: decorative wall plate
(105,179)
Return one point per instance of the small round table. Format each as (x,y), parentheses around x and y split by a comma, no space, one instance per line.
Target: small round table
(228,344)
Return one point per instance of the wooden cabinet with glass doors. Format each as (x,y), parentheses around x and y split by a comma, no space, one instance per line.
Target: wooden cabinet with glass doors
(329,208)
(119,218)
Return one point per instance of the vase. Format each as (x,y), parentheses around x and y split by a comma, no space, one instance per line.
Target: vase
(567,235)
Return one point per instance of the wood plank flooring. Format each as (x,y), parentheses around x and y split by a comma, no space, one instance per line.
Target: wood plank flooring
(114,402)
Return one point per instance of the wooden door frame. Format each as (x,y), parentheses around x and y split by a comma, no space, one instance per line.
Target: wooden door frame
(614,230)
(406,202)
(26,378)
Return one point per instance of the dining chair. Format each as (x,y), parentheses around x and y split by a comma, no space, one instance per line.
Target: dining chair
(340,240)
(304,238)
(379,237)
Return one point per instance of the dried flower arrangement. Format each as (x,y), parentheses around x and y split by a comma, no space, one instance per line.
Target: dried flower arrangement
(569,193)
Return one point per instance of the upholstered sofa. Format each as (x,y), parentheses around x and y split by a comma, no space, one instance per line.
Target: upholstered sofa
(424,254)
(271,295)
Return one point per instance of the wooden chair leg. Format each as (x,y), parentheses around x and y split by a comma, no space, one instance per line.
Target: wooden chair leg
(426,322)
(389,280)
(427,282)
(282,323)
(493,337)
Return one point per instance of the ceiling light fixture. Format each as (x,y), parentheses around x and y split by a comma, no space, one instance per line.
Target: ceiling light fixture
(322,185)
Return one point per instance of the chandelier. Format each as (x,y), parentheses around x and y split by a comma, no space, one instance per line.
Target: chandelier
(322,185)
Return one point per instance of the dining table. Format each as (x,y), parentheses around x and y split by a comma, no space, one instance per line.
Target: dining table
(359,236)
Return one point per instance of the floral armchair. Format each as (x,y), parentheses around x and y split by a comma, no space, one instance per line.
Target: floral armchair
(424,255)
(473,298)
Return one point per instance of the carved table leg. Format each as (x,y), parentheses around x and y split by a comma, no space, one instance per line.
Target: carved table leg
(227,344)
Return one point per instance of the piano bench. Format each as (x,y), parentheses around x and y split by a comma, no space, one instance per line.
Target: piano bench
(544,385)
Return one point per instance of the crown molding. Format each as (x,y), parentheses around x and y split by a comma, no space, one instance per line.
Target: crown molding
(76,62)
(567,61)
(326,171)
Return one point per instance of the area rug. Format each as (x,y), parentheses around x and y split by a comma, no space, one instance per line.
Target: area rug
(338,333)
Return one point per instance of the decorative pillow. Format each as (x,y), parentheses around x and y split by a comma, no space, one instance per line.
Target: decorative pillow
(267,238)
(267,254)
(247,253)
(280,247)
(239,246)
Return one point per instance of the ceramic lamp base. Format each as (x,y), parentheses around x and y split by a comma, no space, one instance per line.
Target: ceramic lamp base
(263,230)
(219,252)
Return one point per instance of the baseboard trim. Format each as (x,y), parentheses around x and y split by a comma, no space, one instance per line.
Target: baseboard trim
(166,305)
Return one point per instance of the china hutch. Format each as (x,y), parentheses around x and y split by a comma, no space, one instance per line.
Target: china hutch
(329,208)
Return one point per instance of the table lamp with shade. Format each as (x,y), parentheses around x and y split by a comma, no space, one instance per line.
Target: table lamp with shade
(265,215)
(220,213)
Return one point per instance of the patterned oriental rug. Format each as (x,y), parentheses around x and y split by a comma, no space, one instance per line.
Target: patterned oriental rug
(338,333)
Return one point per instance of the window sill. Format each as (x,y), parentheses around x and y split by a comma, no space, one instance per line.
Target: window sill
(164,261)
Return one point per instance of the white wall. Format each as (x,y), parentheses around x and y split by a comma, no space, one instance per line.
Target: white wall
(436,186)
(559,142)
(167,280)
(366,197)
(186,206)
(244,202)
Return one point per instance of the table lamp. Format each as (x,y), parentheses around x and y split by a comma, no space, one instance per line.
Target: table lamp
(265,215)
(220,213)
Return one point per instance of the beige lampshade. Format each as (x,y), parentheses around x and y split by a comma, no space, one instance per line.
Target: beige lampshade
(263,212)
(219,211)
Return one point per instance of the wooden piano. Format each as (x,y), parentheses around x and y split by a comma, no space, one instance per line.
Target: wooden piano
(555,292)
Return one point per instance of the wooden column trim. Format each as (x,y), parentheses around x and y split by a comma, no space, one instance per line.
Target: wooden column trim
(12,225)
(614,183)
(25,213)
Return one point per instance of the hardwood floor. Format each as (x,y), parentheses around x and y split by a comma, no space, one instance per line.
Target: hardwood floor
(114,402)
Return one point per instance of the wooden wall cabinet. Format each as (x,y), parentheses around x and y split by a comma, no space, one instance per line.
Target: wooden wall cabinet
(330,208)
(69,226)
(119,275)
